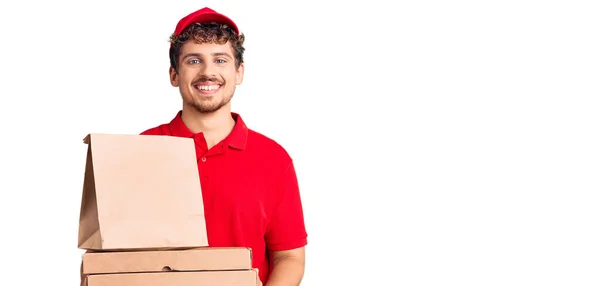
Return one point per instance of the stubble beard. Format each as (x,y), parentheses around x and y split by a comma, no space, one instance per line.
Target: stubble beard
(209,107)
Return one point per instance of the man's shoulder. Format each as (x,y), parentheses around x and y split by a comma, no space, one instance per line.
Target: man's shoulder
(162,129)
(268,146)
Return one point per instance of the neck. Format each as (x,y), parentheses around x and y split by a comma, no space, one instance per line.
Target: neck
(215,126)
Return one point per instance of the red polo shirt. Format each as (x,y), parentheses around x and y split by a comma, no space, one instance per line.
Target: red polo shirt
(250,191)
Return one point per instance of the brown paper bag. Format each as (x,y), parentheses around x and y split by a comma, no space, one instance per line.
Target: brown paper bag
(141,192)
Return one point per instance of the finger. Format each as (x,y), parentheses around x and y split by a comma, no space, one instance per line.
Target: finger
(258,282)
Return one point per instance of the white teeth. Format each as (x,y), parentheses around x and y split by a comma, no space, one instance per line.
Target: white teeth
(208,87)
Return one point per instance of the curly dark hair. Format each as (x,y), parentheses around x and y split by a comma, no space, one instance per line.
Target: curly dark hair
(213,32)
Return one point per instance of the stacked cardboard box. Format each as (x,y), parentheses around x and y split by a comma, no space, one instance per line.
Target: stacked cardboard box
(142,217)
(201,266)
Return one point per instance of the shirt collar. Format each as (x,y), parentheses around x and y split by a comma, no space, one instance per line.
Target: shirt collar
(236,139)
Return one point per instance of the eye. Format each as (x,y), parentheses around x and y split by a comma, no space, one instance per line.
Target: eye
(221,61)
(193,62)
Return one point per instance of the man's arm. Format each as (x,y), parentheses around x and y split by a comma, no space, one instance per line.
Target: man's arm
(286,233)
(287,267)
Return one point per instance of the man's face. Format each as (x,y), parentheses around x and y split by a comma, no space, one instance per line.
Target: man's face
(207,75)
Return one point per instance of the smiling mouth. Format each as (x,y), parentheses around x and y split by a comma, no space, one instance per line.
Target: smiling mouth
(207,89)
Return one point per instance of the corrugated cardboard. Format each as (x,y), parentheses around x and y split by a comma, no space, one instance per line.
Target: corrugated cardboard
(141,192)
(219,266)
(194,278)
(206,258)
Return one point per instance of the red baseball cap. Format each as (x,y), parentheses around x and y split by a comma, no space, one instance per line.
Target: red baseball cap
(204,15)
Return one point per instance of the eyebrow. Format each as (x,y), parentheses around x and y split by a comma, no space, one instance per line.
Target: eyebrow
(198,55)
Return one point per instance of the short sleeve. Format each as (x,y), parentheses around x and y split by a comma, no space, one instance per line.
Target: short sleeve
(286,229)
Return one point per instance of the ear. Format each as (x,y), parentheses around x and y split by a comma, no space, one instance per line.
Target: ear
(174,77)
(239,75)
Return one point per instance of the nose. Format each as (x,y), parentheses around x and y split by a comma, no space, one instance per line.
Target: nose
(208,69)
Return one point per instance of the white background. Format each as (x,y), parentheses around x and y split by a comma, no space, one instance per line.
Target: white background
(436,142)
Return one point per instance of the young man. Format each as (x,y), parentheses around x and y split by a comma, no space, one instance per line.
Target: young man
(249,184)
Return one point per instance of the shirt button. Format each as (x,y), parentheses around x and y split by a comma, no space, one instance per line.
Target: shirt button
(203,159)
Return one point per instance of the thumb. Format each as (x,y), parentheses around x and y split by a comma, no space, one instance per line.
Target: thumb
(258,282)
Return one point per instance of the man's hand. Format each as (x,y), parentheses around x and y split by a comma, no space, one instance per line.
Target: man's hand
(82,276)
(258,281)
